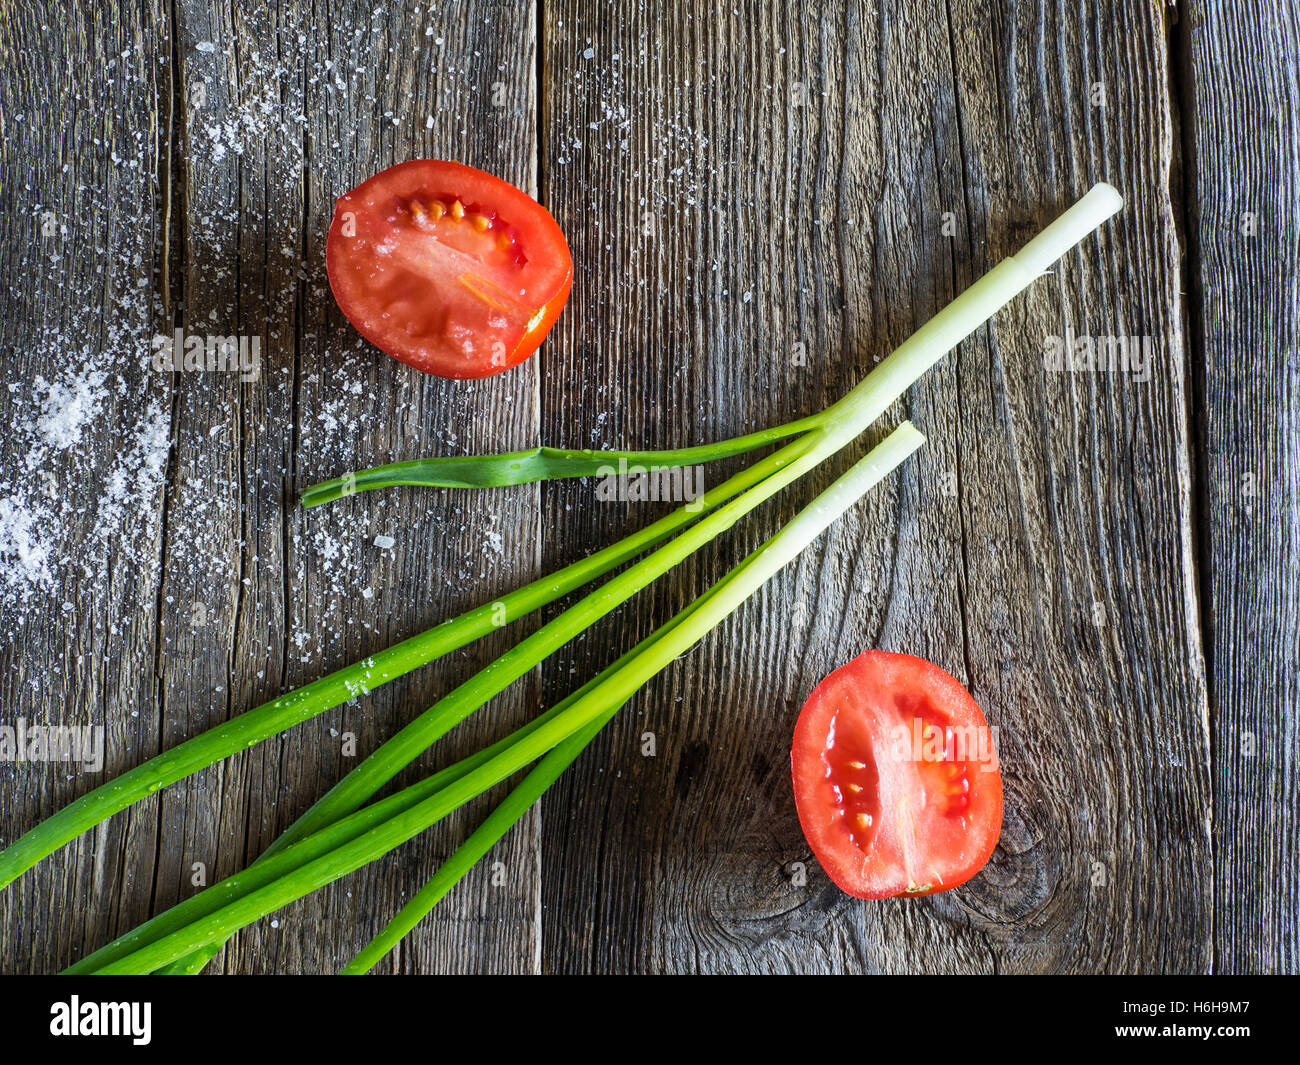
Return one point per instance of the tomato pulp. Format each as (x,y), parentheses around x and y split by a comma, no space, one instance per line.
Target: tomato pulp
(448,268)
(896,778)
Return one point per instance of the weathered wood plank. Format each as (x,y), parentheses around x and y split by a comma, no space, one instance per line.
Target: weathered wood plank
(82,141)
(1103,678)
(272,113)
(814,214)
(307,101)
(1242,123)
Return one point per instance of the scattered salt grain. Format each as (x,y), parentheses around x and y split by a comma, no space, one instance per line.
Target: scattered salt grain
(68,407)
(61,511)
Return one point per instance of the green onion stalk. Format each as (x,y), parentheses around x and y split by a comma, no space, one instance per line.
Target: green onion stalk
(340,832)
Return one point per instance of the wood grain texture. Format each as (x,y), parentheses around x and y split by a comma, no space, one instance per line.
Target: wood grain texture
(82,143)
(1242,129)
(761,202)
(1038,548)
(350,102)
(270,114)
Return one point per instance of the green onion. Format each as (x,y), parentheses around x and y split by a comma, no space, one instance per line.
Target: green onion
(603,697)
(537,464)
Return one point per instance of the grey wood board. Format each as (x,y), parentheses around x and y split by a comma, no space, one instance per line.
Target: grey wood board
(1242,105)
(1037,548)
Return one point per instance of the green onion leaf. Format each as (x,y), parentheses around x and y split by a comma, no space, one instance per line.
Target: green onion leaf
(538,464)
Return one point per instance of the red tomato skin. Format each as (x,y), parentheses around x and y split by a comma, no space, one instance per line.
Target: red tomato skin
(544,233)
(532,340)
(810,739)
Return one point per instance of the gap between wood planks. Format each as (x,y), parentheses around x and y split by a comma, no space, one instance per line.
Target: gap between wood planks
(1182,194)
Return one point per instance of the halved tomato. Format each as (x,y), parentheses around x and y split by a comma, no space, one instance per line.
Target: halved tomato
(447,268)
(896,778)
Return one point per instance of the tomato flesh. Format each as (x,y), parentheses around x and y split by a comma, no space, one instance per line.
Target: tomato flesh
(896,778)
(447,268)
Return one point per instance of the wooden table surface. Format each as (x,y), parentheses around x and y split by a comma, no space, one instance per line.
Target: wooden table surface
(761,200)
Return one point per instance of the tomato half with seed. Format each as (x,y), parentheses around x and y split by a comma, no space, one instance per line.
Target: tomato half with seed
(896,778)
(447,268)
